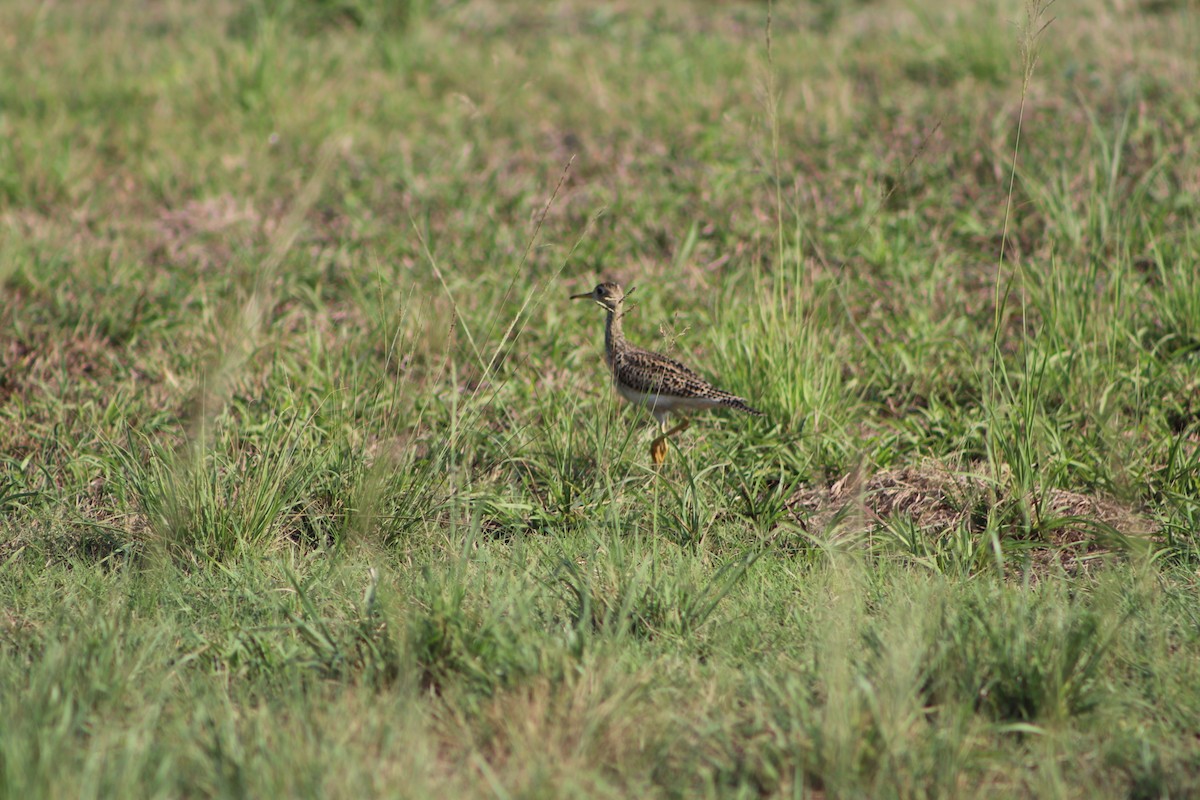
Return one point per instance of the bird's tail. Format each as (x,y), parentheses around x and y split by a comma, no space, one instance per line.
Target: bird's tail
(738,404)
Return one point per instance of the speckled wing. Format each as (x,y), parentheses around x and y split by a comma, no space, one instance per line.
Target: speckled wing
(647,372)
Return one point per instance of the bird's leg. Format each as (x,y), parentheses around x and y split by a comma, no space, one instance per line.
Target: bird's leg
(680,428)
(658,448)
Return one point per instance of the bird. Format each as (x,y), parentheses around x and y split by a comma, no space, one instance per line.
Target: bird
(658,383)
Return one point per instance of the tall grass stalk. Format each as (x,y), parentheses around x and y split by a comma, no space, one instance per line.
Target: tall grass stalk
(1011,410)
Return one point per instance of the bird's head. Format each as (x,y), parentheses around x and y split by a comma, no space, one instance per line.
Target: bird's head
(608,295)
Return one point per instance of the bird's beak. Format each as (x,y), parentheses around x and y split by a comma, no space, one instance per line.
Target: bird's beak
(581,296)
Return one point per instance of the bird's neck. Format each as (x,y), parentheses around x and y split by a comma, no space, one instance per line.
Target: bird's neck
(614,338)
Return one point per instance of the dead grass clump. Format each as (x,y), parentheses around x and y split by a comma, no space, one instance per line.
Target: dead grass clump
(938,501)
(33,365)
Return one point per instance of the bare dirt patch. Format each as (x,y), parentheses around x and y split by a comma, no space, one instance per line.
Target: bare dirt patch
(201,231)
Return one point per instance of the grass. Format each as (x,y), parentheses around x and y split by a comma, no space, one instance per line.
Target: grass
(311,483)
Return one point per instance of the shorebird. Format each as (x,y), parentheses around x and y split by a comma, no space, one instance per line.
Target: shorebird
(660,384)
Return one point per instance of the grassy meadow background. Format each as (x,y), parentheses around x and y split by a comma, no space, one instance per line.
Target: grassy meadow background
(312,482)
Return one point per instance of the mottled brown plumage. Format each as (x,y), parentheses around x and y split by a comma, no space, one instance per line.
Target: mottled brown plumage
(650,379)
(647,372)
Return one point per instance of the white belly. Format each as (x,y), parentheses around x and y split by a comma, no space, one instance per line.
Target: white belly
(661,404)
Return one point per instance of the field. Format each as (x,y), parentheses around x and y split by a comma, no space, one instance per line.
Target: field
(313,484)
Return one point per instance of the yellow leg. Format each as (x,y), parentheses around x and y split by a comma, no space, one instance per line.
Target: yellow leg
(658,448)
